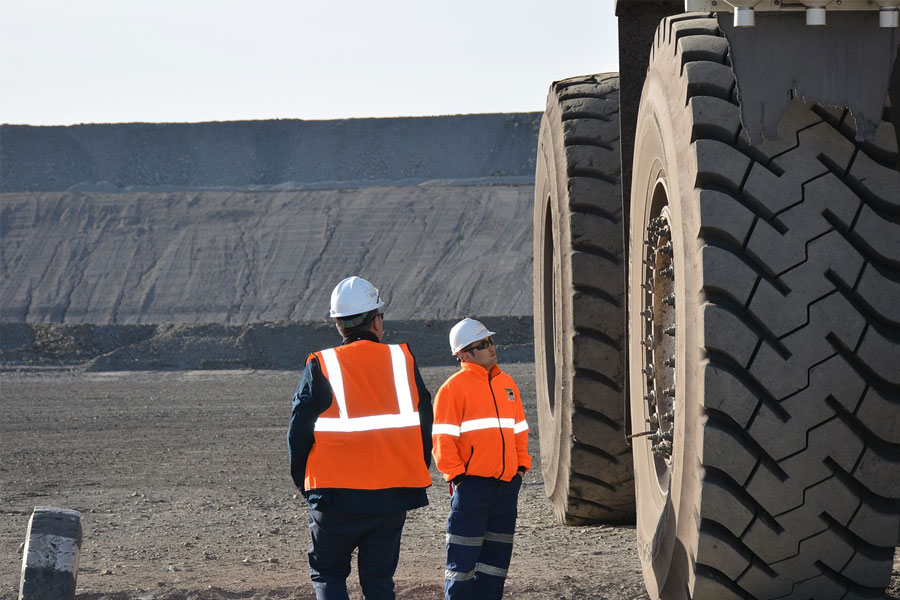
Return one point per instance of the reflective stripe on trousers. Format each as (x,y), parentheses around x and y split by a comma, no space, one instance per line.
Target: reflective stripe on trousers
(480,532)
(479,568)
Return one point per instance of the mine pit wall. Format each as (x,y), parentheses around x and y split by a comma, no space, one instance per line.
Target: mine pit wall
(286,153)
(185,228)
(241,257)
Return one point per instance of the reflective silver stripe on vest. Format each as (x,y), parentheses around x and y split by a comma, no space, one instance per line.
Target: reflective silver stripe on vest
(520,427)
(463,540)
(457,576)
(401,379)
(368,423)
(489,570)
(336,379)
(407,416)
(505,538)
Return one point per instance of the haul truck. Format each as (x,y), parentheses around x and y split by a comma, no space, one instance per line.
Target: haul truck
(717,296)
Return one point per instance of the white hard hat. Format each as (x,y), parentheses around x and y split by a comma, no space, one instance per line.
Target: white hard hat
(354,296)
(465,332)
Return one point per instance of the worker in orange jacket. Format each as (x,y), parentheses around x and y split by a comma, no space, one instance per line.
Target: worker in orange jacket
(360,446)
(481,446)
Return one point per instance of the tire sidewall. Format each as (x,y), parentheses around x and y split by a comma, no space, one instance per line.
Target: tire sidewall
(664,514)
(553,421)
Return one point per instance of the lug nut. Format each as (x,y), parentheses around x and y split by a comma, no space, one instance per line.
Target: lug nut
(670,362)
(648,370)
(650,396)
(667,249)
(668,272)
(670,331)
(669,391)
(670,300)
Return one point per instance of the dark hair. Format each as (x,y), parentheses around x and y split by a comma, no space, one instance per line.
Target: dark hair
(364,325)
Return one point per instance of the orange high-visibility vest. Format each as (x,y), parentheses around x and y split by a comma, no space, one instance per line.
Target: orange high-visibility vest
(370,437)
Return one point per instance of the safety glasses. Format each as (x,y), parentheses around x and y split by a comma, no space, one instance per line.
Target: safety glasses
(483,345)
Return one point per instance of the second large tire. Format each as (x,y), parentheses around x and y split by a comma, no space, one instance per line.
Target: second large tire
(579,298)
(764,339)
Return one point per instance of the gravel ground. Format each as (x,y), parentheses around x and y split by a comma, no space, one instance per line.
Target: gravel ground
(183,483)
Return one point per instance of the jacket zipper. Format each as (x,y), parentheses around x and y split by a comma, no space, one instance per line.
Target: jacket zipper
(499,427)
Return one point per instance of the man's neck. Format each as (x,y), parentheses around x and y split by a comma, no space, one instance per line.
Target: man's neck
(359,336)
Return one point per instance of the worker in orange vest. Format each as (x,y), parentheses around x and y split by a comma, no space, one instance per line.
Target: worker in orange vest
(360,447)
(481,446)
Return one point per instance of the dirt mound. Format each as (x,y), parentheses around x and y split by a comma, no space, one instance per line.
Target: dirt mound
(273,345)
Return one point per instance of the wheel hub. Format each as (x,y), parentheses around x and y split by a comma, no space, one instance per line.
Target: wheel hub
(658,341)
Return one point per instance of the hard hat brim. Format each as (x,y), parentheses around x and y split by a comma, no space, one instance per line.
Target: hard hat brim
(483,337)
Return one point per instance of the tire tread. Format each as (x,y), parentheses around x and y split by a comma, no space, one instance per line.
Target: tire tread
(593,478)
(800,259)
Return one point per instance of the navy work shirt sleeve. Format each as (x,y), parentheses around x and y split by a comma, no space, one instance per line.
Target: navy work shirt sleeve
(312,398)
(426,414)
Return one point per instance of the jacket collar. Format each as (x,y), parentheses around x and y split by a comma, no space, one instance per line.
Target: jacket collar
(362,335)
(479,370)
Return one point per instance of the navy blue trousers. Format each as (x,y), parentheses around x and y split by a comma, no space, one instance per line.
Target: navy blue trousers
(480,537)
(336,535)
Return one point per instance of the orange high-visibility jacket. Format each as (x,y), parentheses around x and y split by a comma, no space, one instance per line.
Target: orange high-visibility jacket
(370,436)
(479,425)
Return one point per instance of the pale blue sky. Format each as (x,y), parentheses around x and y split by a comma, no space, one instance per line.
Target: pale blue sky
(106,61)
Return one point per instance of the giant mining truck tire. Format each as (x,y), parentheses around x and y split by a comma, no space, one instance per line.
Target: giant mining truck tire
(579,300)
(764,339)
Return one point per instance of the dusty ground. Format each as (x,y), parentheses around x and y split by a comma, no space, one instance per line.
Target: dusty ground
(183,484)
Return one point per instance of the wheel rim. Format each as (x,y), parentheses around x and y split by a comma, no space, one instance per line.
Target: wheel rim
(658,339)
(551,285)
(550,292)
